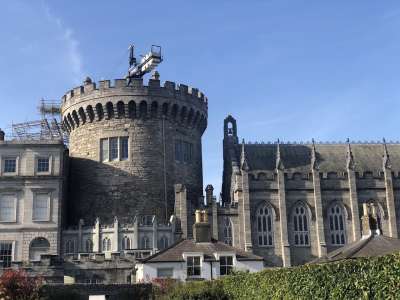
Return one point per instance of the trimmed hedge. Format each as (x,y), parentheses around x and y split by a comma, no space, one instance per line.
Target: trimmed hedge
(364,278)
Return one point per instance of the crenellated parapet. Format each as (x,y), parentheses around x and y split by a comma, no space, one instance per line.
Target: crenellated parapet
(93,102)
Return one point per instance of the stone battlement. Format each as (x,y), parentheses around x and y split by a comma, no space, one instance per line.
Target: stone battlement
(89,103)
(169,89)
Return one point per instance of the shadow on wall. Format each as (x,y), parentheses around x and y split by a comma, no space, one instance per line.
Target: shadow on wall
(101,190)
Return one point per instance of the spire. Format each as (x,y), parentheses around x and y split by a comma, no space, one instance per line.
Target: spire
(243,160)
(350,158)
(385,158)
(314,159)
(279,162)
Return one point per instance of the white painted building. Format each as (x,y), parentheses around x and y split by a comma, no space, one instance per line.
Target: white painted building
(197,259)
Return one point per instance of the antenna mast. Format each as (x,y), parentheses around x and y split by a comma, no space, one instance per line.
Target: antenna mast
(148,62)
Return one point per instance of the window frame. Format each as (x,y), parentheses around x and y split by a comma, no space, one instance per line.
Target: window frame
(301,226)
(163,269)
(224,265)
(13,218)
(122,152)
(190,265)
(333,232)
(38,164)
(106,245)
(183,151)
(50,160)
(7,264)
(48,208)
(227,231)
(260,223)
(2,163)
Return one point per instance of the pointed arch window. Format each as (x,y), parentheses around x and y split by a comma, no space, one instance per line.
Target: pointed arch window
(265,226)
(106,244)
(89,246)
(70,246)
(300,226)
(163,242)
(228,231)
(126,243)
(336,225)
(145,242)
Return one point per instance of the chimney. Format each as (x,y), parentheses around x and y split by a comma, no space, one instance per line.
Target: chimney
(209,194)
(369,220)
(201,227)
(2,134)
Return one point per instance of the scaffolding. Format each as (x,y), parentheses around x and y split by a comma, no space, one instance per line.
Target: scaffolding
(47,128)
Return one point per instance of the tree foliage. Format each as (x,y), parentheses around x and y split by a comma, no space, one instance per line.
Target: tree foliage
(17,285)
(364,278)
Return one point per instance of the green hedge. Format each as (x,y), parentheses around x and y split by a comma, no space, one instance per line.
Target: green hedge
(373,278)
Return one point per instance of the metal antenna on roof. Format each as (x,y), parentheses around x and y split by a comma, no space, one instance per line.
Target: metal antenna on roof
(147,63)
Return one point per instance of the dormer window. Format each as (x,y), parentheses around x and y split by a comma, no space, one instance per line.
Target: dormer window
(193,266)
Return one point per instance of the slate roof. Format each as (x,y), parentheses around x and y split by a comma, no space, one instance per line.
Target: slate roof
(331,157)
(175,251)
(375,245)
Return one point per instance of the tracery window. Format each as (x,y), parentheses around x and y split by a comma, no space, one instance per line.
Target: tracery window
(228,231)
(106,244)
(126,243)
(264,226)
(336,225)
(89,246)
(70,246)
(163,242)
(300,226)
(145,243)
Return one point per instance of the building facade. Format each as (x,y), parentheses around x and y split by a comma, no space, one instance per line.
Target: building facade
(292,203)
(32,187)
(128,183)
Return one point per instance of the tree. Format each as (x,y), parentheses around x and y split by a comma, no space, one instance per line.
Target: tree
(17,285)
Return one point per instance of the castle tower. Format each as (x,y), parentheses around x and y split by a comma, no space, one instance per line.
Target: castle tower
(129,144)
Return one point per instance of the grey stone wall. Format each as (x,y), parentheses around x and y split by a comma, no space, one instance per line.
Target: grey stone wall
(153,117)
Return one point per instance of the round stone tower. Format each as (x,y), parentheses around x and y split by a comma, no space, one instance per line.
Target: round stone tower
(129,144)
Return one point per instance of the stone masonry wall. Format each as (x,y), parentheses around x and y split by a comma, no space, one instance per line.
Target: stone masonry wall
(148,116)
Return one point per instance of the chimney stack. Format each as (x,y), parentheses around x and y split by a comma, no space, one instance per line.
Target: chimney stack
(201,227)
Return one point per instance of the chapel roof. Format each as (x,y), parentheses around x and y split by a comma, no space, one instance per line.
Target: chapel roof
(330,157)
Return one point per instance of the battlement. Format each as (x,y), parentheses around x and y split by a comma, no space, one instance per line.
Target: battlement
(169,89)
(91,102)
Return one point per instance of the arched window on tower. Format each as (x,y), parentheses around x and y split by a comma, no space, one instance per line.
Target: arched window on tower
(230,129)
(89,246)
(301,232)
(106,244)
(126,243)
(337,230)
(265,226)
(228,237)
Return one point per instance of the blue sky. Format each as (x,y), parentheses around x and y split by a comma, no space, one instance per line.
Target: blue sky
(293,70)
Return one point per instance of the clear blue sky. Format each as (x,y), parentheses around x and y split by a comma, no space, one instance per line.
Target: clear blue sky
(292,70)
